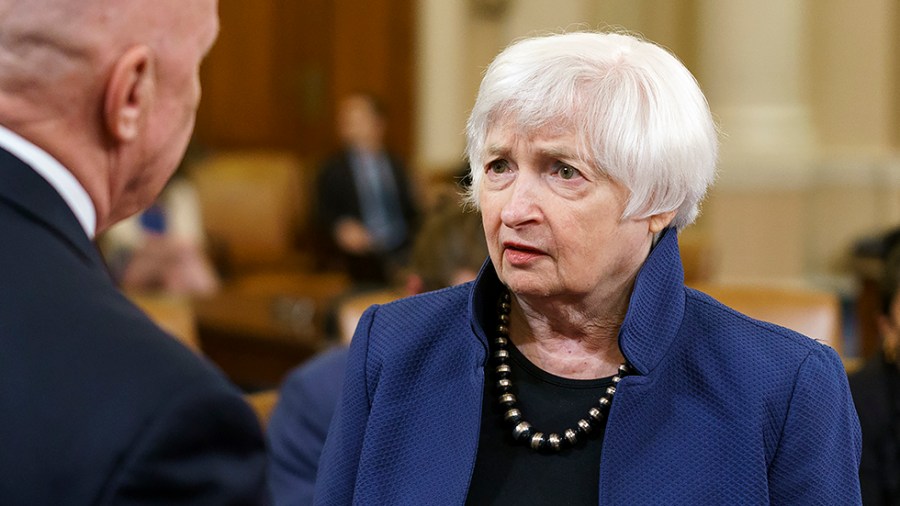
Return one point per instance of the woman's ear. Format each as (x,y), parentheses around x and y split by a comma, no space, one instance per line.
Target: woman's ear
(129,92)
(658,222)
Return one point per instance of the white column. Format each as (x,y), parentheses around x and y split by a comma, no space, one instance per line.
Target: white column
(442,98)
(754,67)
(855,54)
(455,47)
(531,17)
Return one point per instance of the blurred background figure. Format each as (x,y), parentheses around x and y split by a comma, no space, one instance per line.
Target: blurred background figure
(876,393)
(365,204)
(448,250)
(162,250)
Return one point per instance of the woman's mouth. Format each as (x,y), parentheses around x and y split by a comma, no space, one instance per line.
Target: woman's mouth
(519,255)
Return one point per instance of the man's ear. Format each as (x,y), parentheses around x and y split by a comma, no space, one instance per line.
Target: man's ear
(129,92)
(660,221)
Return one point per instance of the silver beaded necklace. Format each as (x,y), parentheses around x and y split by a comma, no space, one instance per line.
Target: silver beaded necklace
(523,432)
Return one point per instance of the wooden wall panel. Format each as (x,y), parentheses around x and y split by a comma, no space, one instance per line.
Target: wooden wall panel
(273,77)
(304,39)
(237,108)
(374,53)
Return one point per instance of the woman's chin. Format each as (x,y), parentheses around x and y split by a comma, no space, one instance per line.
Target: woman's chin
(528,285)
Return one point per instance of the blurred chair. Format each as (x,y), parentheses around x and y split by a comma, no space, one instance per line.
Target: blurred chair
(814,313)
(174,314)
(254,207)
(315,291)
(263,403)
(261,324)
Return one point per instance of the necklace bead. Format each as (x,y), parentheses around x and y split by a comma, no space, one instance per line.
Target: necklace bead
(513,416)
(537,441)
(522,431)
(554,441)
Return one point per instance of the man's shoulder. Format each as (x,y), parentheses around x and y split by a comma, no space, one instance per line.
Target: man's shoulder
(90,373)
(102,336)
(324,372)
(62,313)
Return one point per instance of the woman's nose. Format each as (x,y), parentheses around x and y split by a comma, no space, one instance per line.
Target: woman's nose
(522,202)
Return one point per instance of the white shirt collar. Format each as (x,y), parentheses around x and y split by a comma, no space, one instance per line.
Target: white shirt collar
(56,174)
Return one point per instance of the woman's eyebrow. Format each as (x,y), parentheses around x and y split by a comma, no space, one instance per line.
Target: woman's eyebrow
(497,150)
(559,152)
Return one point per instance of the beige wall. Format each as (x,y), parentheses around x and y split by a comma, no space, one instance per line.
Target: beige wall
(442,98)
(806,92)
(854,74)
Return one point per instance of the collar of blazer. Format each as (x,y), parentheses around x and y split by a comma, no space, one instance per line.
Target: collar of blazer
(655,310)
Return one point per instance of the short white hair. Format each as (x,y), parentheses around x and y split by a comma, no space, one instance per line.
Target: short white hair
(639,114)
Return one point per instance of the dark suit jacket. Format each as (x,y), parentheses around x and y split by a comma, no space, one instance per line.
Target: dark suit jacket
(299,424)
(97,404)
(876,392)
(337,197)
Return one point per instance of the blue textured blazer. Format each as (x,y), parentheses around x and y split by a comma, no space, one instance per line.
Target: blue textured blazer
(97,404)
(723,409)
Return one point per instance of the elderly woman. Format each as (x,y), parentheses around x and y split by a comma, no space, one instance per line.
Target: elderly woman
(577,368)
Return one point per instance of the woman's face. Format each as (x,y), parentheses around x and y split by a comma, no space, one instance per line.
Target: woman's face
(553,222)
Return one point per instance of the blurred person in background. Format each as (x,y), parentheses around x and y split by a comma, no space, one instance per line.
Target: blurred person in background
(448,250)
(876,392)
(578,369)
(97,404)
(162,249)
(365,202)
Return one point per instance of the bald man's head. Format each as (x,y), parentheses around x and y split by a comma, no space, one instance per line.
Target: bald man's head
(41,48)
(48,43)
(108,87)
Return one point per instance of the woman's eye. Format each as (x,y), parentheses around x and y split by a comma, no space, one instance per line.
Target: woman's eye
(498,166)
(567,172)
